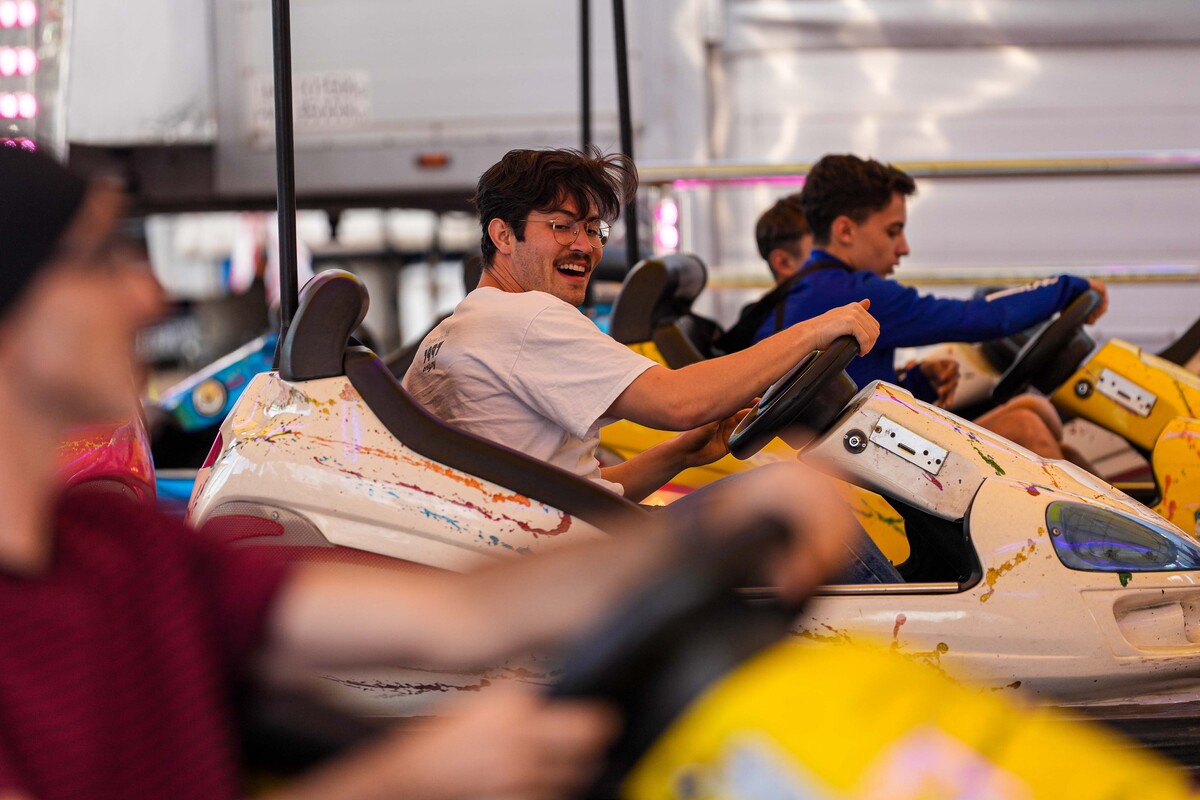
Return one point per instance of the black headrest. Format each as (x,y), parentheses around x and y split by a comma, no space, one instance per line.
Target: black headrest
(332,306)
(656,292)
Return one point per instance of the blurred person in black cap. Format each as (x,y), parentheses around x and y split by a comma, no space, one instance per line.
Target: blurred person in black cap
(125,633)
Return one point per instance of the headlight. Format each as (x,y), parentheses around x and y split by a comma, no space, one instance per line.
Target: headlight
(1097,539)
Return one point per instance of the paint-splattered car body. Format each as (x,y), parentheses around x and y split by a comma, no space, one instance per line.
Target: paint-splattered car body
(1019,616)
(309,468)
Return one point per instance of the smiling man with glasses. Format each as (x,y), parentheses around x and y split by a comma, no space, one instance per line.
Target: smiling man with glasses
(518,363)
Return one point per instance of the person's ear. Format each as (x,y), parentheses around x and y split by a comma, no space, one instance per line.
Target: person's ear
(783,265)
(842,231)
(502,235)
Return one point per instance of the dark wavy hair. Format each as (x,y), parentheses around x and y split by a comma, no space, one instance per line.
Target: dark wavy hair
(780,224)
(846,185)
(539,180)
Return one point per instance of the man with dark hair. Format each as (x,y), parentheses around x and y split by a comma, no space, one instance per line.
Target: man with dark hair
(783,238)
(857,210)
(124,633)
(518,364)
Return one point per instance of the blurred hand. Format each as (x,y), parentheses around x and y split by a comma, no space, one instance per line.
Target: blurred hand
(508,743)
(848,320)
(1103,290)
(942,374)
(822,526)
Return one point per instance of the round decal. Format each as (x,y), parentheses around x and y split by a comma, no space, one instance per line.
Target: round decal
(209,398)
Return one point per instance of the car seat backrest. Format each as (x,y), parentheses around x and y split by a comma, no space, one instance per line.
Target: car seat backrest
(1185,348)
(430,436)
(332,306)
(657,291)
(655,304)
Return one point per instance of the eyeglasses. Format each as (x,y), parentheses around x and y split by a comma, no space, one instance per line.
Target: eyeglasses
(566,233)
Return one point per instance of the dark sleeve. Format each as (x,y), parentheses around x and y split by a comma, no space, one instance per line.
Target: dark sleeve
(908,318)
(242,585)
(915,381)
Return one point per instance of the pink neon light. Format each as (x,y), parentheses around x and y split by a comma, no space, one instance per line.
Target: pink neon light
(27,105)
(8,61)
(27,61)
(668,238)
(9,106)
(667,213)
(8,14)
(27,14)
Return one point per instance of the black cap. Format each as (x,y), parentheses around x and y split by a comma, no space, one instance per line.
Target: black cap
(38,199)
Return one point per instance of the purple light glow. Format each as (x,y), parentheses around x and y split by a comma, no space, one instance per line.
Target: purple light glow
(686,184)
(27,61)
(27,105)
(27,14)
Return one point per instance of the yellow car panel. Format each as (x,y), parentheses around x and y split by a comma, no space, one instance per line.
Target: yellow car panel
(1176,464)
(879,519)
(844,721)
(1130,392)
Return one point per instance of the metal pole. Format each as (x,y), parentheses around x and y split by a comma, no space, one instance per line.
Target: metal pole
(285,165)
(585,72)
(631,215)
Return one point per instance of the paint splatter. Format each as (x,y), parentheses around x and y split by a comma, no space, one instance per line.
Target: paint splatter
(990,461)
(900,620)
(1032,490)
(833,637)
(995,573)
(866,512)
(1125,578)
(933,480)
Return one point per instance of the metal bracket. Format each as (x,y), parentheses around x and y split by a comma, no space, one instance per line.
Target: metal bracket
(895,438)
(1126,393)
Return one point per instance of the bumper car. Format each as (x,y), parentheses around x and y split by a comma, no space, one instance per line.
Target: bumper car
(1020,572)
(108,457)
(185,418)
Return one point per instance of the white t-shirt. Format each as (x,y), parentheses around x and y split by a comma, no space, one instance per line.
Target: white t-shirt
(527,370)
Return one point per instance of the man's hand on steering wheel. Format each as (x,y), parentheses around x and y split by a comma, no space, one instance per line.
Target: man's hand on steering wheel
(1098,286)
(706,444)
(852,319)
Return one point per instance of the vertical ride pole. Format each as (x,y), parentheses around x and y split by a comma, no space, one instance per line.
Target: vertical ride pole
(631,215)
(285,165)
(585,73)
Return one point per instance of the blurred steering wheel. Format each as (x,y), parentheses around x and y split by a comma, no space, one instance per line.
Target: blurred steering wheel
(675,638)
(1054,353)
(807,399)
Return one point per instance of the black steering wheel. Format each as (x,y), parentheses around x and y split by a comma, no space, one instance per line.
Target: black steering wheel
(807,399)
(1051,356)
(669,642)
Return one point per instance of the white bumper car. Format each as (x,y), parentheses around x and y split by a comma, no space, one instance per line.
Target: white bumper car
(1022,572)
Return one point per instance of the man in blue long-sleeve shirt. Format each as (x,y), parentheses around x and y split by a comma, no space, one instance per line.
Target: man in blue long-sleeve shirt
(857,212)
